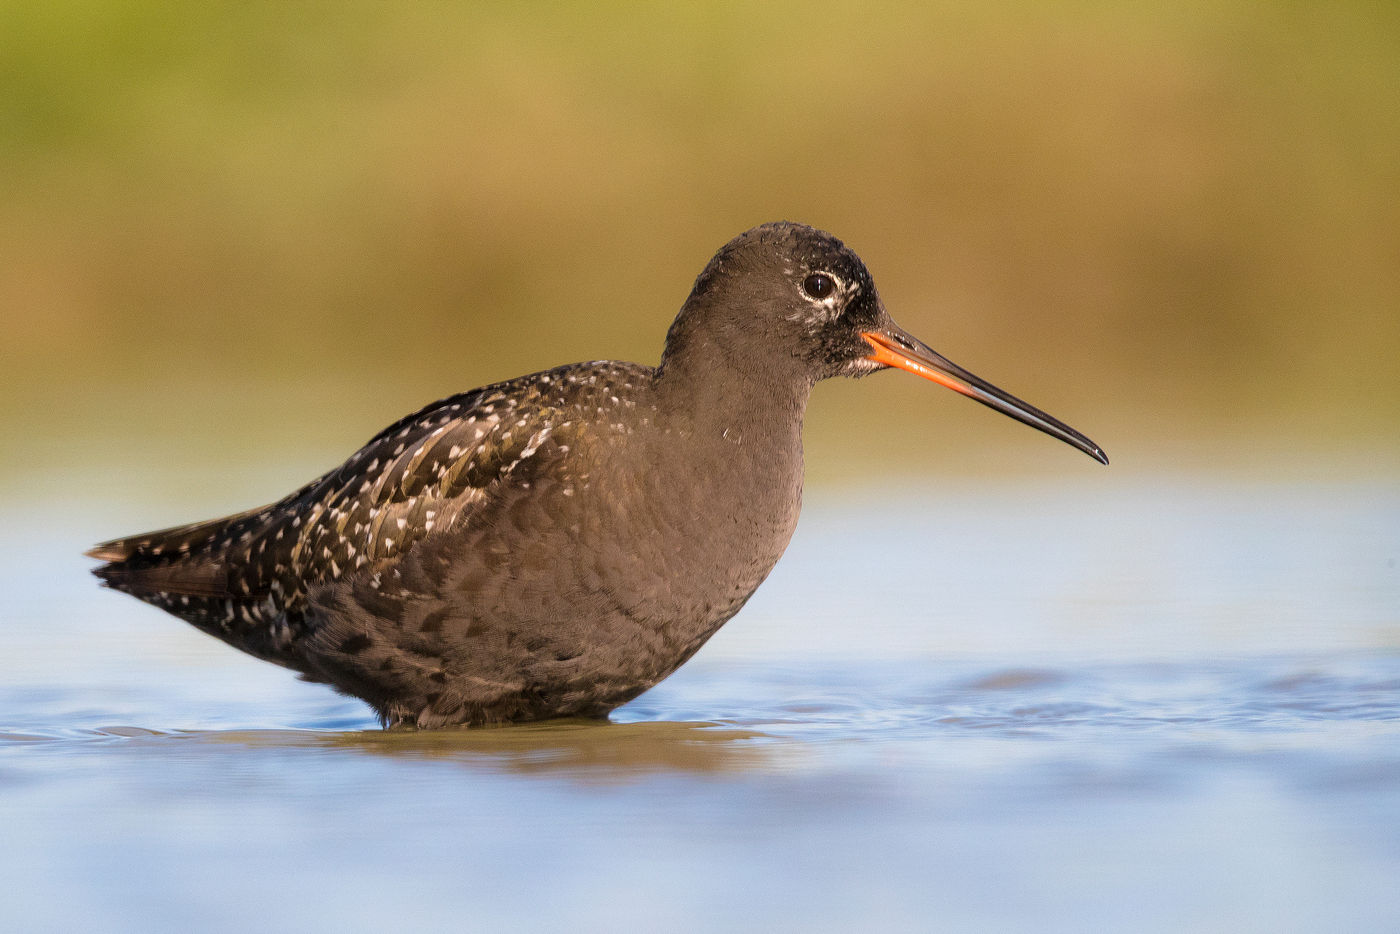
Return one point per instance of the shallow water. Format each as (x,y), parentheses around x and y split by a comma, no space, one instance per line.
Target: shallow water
(1158,704)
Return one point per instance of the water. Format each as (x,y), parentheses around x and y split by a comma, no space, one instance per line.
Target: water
(1153,704)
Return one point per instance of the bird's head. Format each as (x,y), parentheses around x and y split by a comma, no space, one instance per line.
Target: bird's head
(785,301)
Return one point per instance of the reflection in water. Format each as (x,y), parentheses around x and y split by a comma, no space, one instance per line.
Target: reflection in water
(581,749)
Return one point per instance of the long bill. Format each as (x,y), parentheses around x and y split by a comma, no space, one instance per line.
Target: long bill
(894,347)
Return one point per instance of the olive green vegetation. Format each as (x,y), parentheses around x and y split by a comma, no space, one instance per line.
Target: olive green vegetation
(229,230)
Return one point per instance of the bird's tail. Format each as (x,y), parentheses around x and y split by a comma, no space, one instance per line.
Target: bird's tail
(186,560)
(216,575)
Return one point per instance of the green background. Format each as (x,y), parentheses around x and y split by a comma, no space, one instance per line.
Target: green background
(241,237)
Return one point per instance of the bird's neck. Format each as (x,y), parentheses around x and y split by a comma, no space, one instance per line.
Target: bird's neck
(735,399)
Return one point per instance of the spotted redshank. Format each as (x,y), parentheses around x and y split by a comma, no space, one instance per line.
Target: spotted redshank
(556,544)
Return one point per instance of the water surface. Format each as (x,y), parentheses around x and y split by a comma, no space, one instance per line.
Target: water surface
(1163,705)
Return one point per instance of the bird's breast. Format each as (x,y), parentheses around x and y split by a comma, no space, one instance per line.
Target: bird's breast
(692,523)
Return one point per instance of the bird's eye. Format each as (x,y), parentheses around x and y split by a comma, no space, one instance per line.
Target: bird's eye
(818,285)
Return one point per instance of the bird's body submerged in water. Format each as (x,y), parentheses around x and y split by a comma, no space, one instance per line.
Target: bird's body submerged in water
(556,544)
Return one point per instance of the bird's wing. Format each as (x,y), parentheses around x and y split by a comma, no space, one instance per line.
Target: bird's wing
(425,473)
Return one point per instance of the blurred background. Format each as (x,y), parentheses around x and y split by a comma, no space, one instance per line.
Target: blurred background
(992,683)
(247,233)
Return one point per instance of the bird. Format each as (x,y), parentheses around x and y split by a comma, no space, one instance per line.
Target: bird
(556,544)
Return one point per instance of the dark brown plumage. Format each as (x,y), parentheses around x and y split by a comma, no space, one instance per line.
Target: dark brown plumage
(556,544)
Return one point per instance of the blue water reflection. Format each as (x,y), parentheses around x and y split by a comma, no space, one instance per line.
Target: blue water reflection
(1166,707)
